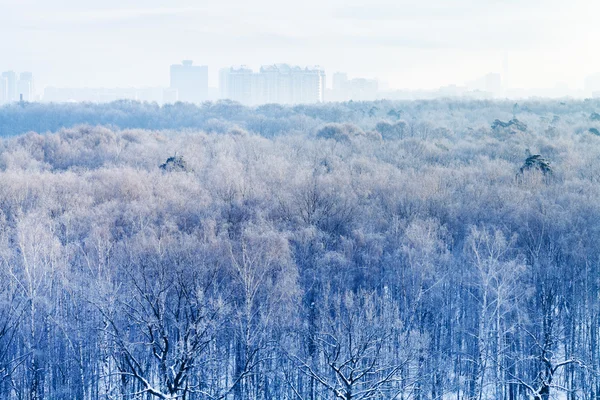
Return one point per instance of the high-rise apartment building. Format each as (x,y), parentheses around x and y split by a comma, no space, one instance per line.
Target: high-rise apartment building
(286,84)
(238,84)
(313,85)
(190,81)
(8,87)
(338,81)
(224,82)
(279,83)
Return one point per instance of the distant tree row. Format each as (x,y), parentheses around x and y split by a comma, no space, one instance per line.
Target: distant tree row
(272,119)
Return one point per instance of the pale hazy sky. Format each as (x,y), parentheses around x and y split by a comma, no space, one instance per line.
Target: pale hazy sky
(408,43)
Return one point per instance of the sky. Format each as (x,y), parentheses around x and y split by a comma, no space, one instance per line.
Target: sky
(416,44)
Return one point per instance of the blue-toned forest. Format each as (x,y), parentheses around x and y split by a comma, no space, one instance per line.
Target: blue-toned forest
(390,250)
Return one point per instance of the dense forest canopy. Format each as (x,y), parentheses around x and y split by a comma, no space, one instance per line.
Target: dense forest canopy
(272,119)
(416,250)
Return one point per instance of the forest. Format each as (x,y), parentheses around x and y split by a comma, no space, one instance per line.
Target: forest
(441,249)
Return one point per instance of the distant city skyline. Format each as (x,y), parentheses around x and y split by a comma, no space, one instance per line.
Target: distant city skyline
(163,78)
(188,82)
(410,45)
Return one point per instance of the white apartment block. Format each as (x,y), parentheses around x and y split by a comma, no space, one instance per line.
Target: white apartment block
(279,83)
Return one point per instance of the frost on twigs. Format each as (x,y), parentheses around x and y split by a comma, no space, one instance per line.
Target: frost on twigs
(175,164)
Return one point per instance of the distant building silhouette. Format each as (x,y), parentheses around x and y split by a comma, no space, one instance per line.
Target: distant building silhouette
(25,86)
(190,81)
(278,83)
(339,81)
(8,87)
(239,84)
(358,89)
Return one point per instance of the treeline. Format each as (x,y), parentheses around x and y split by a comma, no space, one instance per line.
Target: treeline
(407,260)
(272,120)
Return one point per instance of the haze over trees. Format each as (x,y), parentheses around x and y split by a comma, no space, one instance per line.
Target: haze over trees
(352,251)
(389,118)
